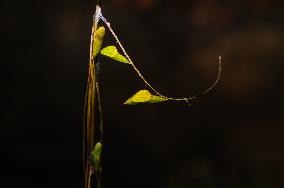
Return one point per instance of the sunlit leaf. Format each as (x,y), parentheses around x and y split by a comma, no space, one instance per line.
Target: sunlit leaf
(96,154)
(98,40)
(141,96)
(144,96)
(155,99)
(111,52)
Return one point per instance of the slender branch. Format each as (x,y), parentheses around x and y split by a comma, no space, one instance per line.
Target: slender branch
(128,57)
(214,84)
(100,111)
(146,82)
(98,173)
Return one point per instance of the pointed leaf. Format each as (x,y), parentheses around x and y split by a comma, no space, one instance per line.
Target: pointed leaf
(111,52)
(96,155)
(141,96)
(98,40)
(144,96)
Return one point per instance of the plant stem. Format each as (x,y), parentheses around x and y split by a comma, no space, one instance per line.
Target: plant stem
(101,112)
(92,92)
(187,99)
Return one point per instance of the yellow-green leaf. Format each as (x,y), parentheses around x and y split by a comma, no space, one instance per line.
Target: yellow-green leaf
(155,99)
(144,96)
(141,96)
(111,52)
(96,155)
(98,40)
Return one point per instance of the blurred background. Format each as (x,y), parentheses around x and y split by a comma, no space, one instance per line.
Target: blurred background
(230,138)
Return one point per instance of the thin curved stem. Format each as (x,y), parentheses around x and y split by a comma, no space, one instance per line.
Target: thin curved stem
(186,99)
(128,57)
(207,90)
(214,84)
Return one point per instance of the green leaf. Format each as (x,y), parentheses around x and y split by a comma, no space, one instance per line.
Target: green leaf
(98,40)
(155,99)
(141,96)
(111,52)
(96,155)
(144,96)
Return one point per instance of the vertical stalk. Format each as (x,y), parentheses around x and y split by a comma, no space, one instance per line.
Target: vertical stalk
(90,112)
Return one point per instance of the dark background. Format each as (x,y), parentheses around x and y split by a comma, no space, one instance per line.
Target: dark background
(230,138)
